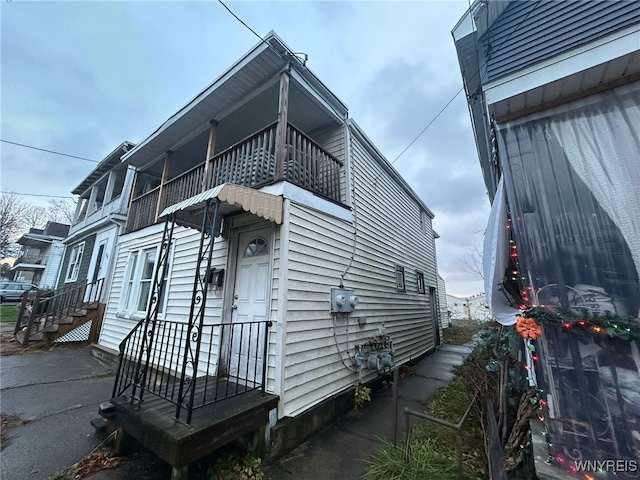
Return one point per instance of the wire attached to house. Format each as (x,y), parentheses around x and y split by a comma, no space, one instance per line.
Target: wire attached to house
(34,194)
(295,54)
(335,338)
(49,151)
(474,75)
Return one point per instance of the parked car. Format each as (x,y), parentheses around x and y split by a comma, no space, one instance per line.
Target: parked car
(12,291)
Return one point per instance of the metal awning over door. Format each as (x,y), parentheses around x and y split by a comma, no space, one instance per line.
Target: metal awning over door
(233,198)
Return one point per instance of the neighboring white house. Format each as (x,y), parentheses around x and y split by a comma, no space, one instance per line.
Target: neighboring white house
(90,247)
(468,308)
(318,234)
(41,254)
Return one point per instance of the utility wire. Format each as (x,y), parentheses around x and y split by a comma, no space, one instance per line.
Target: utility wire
(34,194)
(475,75)
(242,22)
(284,56)
(48,151)
(428,125)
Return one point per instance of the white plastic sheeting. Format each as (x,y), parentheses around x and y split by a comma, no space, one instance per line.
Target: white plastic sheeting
(602,143)
(572,181)
(495,260)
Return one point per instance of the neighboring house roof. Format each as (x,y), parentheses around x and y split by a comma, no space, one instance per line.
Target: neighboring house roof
(37,237)
(253,71)
(56,229)
(106,165)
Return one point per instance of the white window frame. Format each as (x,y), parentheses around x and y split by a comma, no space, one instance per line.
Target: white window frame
(75,260)
(133,281)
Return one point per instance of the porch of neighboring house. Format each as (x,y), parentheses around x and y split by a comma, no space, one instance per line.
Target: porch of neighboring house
(252,162)
(71,313)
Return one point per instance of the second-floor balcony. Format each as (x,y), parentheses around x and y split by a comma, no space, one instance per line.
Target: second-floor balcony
(252,163)
(32,260)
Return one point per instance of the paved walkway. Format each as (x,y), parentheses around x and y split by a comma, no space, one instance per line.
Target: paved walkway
(343,449)
(55,394)
(58,392)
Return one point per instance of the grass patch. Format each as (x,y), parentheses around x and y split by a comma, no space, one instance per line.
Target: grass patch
(432,448)
(461,331)
(420,461)
(450,403)
(9,313)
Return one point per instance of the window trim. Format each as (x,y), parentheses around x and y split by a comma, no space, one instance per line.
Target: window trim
(401,284)
(420,285)
(132,282)
(73,269)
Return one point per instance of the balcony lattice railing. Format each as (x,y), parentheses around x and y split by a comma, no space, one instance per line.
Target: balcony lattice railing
(142,212)
(251,163)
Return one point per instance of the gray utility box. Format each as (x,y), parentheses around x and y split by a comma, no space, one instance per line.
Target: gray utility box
(342,300)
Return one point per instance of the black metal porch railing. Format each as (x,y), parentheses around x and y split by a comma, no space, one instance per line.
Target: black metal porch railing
(232,362)
(42,309)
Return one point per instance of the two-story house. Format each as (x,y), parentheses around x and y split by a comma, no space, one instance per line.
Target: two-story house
(273,260)
(41,255)
(100,216)
(554,95)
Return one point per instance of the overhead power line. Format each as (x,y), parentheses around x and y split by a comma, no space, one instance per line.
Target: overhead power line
(49,151)
(428,125)
(34,194)
(475,75)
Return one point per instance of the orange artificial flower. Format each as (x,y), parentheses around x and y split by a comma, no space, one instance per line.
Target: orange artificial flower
(528,328)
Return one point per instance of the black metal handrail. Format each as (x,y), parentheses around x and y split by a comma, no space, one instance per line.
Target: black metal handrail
(41,309)
(232,361)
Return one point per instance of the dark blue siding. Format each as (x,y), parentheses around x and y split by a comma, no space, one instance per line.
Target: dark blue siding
(528,32)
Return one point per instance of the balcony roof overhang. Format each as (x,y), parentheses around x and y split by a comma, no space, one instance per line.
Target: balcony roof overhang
(28,266)
(248,77)
(107,164)
(610,61)
(233,199)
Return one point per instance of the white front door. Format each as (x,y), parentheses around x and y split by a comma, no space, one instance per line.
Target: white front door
(250,307)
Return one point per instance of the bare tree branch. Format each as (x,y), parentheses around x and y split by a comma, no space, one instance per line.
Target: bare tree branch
(61,211)
(34,216)
(12,210)
(472,262)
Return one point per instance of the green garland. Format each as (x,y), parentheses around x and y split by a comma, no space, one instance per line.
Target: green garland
(614,326)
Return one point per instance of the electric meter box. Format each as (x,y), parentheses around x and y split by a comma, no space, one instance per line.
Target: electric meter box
(342,300)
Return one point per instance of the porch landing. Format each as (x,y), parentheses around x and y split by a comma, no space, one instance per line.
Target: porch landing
(153,425)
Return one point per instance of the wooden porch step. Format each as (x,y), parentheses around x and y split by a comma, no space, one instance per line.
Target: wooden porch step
(51,328)
(153,424)
(35,336)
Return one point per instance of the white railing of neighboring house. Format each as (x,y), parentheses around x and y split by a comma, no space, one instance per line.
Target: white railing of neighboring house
(117,205)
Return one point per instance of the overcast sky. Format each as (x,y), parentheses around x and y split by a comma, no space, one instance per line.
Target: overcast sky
(81,77)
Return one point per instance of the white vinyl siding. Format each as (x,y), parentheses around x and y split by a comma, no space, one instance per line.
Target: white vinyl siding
(391,230)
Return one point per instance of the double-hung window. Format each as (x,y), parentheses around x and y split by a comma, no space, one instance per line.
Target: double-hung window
(138,284)
(75,259)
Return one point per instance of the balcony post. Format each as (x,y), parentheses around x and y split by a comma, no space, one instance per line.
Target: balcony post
(281,128)
(211,150)
(132,195)
(165,173)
